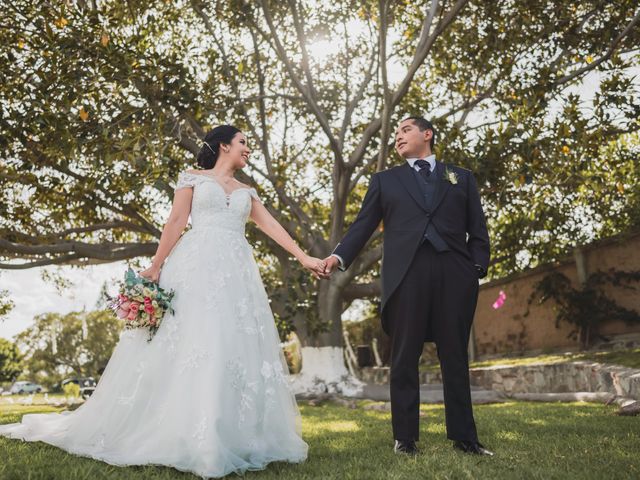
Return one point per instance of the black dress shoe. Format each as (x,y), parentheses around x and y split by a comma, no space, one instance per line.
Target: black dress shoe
(471,447)
(407,447)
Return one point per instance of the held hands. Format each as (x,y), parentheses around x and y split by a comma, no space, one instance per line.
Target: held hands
(321,269)
(331,263)
(152,273)
(314,265)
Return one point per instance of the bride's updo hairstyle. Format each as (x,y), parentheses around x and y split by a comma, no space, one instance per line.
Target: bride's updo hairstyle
(210,151)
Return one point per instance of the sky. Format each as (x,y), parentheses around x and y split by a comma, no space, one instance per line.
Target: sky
(33,296)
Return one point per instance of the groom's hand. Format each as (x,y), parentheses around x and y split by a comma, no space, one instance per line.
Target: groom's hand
(331,263)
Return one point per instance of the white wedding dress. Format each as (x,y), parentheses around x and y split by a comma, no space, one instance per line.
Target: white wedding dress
(209,394)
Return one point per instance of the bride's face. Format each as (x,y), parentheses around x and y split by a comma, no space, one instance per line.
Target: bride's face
(238,150)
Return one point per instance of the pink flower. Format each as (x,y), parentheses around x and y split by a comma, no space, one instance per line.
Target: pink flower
(147,301)
(149,309)
(123,298)
(126,305)
(121,313)
(500,300)
(132,314)
(135,306)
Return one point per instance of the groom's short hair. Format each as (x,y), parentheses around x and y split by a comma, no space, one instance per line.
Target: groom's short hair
(424,124)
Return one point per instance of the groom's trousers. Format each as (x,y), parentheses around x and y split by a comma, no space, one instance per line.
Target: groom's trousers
(437,300)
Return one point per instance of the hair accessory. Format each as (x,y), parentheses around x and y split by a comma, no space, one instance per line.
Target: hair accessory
(212,150)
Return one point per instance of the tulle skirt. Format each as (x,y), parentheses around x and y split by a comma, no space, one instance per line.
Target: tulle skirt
(209,394)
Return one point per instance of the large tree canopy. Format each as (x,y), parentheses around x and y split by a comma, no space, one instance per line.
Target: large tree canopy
(104,102)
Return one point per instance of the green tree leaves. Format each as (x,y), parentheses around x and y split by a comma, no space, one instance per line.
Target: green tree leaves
(78,343)
(10,361)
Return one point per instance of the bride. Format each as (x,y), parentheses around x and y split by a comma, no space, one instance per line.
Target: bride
(209,393)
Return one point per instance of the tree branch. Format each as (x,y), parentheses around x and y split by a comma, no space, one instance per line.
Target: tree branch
(362,290)
(358,96)
(603,58)
(363,263)
(425,43)
(387,108)
(306,91)
(64,252)
(424,46)
(97,227)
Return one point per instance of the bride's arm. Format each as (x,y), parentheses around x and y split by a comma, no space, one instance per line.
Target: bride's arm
(171,232)
(270,226)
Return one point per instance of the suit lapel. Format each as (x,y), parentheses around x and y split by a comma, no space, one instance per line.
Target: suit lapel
(408,180)
(443,185)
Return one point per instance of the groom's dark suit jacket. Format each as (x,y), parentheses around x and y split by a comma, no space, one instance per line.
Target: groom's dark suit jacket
(395,197)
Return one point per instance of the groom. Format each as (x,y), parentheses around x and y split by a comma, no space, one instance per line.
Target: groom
(436,246)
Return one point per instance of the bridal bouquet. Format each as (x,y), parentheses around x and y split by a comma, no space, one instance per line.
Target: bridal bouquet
(141,303)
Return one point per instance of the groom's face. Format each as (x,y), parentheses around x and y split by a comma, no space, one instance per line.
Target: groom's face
(411,142)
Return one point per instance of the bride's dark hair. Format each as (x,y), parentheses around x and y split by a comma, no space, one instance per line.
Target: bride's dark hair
(210,151)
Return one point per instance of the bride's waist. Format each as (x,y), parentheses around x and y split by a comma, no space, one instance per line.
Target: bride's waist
(221,227)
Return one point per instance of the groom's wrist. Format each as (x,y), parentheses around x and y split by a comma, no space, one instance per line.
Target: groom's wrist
(340,262)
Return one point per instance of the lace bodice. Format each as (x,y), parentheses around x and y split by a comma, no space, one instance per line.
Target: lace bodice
(212,207)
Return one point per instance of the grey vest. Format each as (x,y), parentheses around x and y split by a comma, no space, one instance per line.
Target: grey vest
(428,188)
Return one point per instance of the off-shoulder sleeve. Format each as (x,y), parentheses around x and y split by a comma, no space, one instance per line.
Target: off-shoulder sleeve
(253,193)
(186,179)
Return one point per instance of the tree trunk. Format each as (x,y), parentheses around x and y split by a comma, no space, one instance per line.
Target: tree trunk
(323,367)
(330,313)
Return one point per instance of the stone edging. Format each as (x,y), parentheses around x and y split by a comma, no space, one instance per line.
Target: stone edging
(565,377)
(578,376)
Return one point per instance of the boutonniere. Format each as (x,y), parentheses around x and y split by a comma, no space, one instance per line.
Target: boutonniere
(450,176)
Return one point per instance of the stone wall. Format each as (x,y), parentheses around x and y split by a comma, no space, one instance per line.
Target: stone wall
(507,330)
(579,376)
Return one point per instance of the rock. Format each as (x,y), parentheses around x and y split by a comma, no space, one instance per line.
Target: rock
(508,383)
(632,409)
(378,407)
(320,399)
(344,402)
(565,397)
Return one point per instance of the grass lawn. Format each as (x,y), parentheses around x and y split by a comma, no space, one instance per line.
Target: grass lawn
(531,441)
(625,358)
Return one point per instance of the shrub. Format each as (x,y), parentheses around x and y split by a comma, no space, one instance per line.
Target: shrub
(71,390)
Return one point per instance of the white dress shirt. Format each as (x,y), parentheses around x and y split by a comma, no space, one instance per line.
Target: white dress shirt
(431,159)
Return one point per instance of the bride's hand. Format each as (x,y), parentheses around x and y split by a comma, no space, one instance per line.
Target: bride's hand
(151,273)
(314,265)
